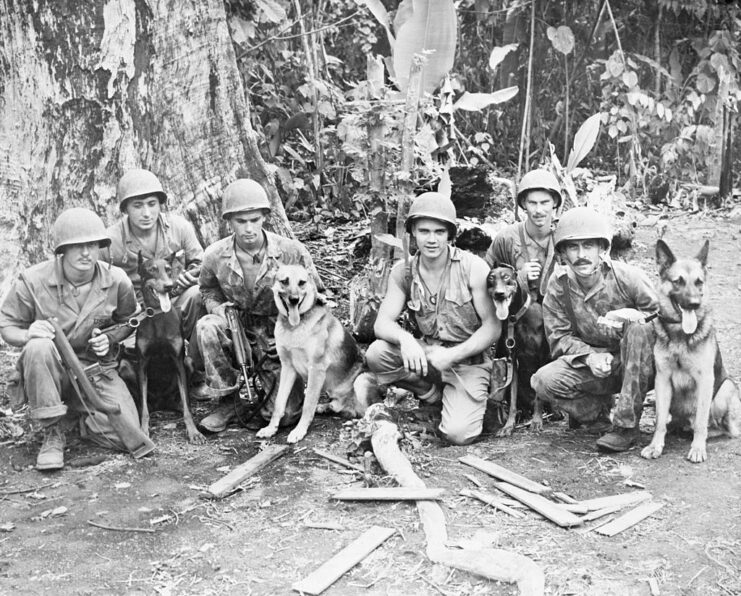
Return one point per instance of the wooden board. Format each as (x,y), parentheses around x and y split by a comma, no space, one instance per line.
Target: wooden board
(391,493)
(332,570)
(491,500)
(497,471)
(338,460)
(631,518)
(548,509)
(623,500)
(239,474)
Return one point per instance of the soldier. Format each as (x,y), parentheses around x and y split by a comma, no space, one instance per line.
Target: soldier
(598,351)
(240,270)
(84,295)
(445,290)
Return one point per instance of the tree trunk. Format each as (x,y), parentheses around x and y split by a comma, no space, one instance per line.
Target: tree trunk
(91,89)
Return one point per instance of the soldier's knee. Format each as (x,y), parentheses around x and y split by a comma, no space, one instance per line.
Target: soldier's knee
(208,325)
(38,348)
(459,434)
(374,355)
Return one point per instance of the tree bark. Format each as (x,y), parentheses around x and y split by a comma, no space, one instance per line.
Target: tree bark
(90,89)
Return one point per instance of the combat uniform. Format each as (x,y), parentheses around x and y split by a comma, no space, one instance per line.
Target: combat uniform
(447,319)
(573,333)
(43,379)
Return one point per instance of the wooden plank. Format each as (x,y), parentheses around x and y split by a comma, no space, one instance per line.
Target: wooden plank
(239,474)
(631,518)
(490,499)
(577,508)
(564,498)
(497,471)
(539,503)
(623,500)
(333,569)
(592,515)
(390,493)
(338,460)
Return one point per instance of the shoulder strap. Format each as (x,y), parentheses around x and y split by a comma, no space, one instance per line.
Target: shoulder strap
(523,245)
(564,281)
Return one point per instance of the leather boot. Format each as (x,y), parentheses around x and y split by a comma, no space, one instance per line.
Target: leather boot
(51,454)
(620,439)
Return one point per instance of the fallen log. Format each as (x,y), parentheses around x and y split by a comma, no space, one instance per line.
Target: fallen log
(333,569)
(497,471)
(630,519)
(233,479)
(548,509)
(491,563)
(390,493)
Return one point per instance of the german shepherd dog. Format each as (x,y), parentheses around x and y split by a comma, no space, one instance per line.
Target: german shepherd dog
(314,345)
(521,336)
(160,348)
(692,386)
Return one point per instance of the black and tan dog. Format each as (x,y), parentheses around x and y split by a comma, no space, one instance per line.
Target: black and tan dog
(521,340)
(314,345)
(692,386)
(160,348)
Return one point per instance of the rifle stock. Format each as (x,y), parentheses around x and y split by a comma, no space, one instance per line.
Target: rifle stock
(242,350)
(131,436)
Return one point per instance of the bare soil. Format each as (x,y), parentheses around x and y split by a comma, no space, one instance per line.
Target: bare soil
(257,541)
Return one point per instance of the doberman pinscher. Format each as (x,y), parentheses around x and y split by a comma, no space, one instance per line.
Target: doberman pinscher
(160,347)
(521,341)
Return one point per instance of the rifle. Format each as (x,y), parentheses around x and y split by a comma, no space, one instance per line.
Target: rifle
(242,349)
(132,437)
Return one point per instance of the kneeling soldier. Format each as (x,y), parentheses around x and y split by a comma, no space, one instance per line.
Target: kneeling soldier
(83,295)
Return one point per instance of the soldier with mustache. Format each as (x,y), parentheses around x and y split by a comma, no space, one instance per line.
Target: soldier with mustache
(594,311)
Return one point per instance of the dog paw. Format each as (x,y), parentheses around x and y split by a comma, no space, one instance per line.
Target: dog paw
(296,435)
(652,451)
(267,432)
(196,438)
(536,425)
(505,431)
(697,454)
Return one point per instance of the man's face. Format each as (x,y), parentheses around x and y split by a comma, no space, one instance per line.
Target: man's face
(431,236)
(583,256)
(539,206)
(247,228)
(143,212)
(81,258)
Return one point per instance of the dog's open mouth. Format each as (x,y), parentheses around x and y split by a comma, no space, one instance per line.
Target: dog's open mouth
(689,319)
(292,304)
(501,306)
(165,302)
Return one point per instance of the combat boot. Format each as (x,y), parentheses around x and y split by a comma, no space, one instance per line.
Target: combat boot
(619,439)
(51,454)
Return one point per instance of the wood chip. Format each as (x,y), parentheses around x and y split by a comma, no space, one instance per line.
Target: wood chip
(228,483)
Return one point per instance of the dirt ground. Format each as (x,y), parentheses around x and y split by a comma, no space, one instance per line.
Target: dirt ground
(258,540)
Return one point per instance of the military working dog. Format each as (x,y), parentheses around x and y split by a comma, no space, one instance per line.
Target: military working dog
(691,383)
(314,345)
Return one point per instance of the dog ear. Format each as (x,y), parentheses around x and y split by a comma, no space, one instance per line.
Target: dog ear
(702,256)
(664,256)
(320,298)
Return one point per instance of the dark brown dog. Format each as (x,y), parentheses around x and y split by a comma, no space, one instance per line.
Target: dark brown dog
(691,383)
(160,348)
(314,345)
(520,339)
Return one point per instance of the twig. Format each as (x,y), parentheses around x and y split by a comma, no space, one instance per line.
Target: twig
(694,577)
(123,529)
(25,490)
(433,584)
(338,460)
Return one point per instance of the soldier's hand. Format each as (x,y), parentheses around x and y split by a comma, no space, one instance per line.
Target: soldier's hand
(600,364)
(186,280)
(532,270)
(440,358)
(221,310)
(413,355)
(40,329)
(99,343)
(626,315)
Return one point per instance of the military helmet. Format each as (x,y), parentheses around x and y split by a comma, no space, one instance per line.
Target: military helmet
(539,179)
(243,194)
(78,226)
(432,205)
(582,223)
(139,183)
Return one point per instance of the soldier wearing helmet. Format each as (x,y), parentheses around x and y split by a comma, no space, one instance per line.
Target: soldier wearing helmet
(85,295)
(145,228)
(444,289)
(239,270)
(594,312)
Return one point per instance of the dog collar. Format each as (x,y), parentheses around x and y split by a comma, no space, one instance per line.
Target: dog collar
(525,305)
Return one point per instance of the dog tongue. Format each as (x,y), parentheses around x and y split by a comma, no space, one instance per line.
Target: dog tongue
(502,310)
(165,303)
(689,321)
(293,317)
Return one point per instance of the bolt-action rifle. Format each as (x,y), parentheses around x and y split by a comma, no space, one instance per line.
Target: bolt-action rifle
(241,347)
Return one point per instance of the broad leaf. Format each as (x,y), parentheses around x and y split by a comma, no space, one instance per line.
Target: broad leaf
(472,102)
(389,240)
(432,29)
(271,11)
(561,38)
(378,10)
(584,140)
(499,54)
(445,186)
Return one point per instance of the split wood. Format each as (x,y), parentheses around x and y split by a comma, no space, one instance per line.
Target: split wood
(332,570)
(233,479)
(630,519)
(391,493)
(497,471)
(548,509)
(492,501)
(338,460)
(491,563)
(623,500)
